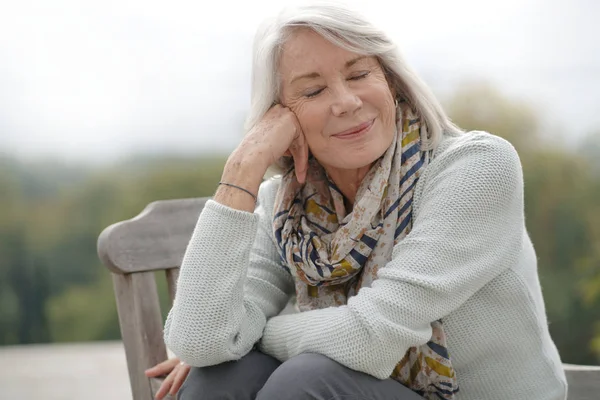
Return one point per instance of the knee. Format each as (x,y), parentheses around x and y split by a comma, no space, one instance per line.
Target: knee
(300,376)
(191,386)
(203,383)
(240,379)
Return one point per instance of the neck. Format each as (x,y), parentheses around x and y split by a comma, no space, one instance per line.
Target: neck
(348,181)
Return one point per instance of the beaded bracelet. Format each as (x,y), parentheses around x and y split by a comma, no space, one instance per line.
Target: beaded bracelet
(241,188)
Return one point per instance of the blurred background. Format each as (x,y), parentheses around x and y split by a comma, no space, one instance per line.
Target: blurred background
(107,106)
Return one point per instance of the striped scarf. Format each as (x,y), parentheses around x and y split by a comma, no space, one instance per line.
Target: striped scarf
(332,254)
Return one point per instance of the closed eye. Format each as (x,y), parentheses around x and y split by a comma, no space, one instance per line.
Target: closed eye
(359,76)
(314,93)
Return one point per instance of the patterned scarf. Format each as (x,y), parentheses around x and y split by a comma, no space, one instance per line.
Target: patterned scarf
(332,254)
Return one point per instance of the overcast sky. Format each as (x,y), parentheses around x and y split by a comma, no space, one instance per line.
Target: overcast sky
(98,80)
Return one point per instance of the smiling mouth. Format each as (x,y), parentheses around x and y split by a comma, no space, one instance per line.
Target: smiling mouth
(355,131)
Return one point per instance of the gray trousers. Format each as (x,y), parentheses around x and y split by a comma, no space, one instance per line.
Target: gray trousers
(309,376)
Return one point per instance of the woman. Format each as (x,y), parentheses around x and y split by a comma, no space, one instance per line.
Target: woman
(402,238)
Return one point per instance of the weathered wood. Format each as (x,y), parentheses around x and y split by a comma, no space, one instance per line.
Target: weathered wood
(584,382)
(172,276)
(141,327)
(154,240)
(155,385)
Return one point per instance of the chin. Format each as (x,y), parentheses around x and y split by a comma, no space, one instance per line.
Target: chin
(367,156)
(357,159)
(366,161)
(356,156)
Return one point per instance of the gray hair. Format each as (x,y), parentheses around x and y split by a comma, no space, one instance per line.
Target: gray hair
(349,30)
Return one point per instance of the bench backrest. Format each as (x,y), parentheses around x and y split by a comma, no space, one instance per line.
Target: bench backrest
(156,240)
(133,250)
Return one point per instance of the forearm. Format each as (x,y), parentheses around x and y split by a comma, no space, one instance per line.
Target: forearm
(226,291)
(342,334)
(209,307)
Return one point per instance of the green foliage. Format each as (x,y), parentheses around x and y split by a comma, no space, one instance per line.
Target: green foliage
(52,285)
(479,106)
(86,312)
(53,288)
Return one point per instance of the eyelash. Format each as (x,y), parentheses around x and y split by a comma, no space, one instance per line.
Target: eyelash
(354,78)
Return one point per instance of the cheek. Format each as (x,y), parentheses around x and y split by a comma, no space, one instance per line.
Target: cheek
(387,108)
(312,119)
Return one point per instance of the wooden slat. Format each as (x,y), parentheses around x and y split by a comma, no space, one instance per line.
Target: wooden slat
(154,240)
(141,327)
(172,275)
(155,385)
(584,381)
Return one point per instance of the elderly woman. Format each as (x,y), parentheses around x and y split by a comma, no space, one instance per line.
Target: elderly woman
(402,238)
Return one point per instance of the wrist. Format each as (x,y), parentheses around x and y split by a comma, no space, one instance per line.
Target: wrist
(240,182)
(254,196)
(243,171)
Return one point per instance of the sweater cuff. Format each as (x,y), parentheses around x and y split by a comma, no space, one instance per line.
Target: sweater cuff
(279,332)
(231,214)
(219,224)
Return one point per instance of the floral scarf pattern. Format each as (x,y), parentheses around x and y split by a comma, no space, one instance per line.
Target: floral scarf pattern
(332,254)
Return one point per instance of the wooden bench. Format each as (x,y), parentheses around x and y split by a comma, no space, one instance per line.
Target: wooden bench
(156,240)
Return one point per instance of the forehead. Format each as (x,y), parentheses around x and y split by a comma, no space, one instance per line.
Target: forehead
(305,51)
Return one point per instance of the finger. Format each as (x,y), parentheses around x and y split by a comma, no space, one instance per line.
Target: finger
(275,109)
(300,153)
(300,167)
(304,159)
(163,368)
(164,388)
(182,373)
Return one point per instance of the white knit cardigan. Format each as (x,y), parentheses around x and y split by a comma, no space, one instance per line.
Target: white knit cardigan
(467,260)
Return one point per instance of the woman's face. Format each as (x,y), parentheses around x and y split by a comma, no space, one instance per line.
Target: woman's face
(341,99)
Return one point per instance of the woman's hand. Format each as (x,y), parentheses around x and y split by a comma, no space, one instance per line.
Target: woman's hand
(278,133)
(177,372)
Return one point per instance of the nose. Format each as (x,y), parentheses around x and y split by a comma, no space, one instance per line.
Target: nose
(345,101)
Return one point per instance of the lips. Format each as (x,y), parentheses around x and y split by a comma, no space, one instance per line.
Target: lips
(356,130)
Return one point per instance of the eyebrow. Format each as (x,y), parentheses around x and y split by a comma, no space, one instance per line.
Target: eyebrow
(313,75)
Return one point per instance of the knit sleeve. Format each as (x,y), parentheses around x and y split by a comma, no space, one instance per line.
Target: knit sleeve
(230,282)
(467,229)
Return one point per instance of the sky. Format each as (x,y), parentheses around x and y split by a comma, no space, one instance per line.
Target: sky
(97,81)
